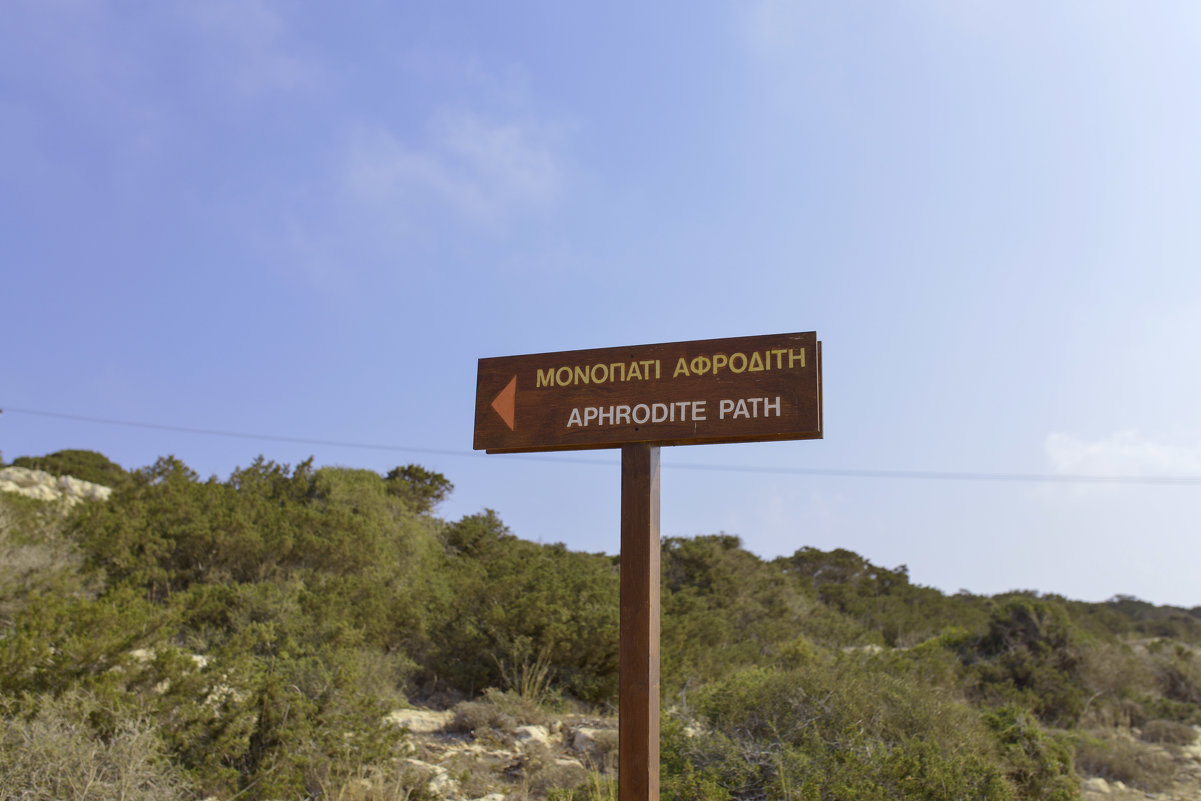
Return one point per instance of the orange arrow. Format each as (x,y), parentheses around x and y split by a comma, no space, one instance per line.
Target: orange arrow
(505,403)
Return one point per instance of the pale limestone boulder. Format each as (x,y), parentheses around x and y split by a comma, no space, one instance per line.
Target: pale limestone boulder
(25,477)
(438,779)
(97,492)
(42,486)
(419,721)
(69,485)
(1095,784)
(532,734)
(39,492)
(592,744)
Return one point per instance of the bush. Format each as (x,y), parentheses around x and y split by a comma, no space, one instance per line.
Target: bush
(1124,759)
(846,727)
(1038,763)
(1029,657)
(477,716)
(1167,731)
(58,753)
(84,465)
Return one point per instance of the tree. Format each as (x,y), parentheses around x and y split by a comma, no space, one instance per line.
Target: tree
(423,489)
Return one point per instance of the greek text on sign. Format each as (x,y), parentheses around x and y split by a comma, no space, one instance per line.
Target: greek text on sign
(717,390)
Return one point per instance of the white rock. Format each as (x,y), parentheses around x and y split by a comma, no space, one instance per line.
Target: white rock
(24,477)
(70,485)
(419,721)
(42,486)
(585,741)
(533,734)
(98,492)
(1095,784)
(439,779)
(142,655)
(39,492)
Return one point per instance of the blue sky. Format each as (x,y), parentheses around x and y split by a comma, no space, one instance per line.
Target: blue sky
(285,219)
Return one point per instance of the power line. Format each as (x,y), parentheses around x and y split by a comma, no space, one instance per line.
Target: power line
(213,432)
(921,475)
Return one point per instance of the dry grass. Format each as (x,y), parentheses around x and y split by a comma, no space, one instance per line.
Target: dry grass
(399,784)
(1122,758)
(57,755)
(1168,732)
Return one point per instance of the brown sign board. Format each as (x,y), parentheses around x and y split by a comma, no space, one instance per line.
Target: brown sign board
(744,389)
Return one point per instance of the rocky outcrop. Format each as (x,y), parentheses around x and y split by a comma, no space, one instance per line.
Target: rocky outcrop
(43,486)
(490,763)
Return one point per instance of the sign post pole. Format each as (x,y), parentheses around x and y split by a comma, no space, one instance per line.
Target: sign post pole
(742,389)
(638,701)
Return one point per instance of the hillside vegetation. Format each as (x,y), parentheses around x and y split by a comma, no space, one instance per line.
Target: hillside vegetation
(246,638)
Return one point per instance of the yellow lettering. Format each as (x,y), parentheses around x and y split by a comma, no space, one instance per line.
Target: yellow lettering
(734,368)
(681,367)
(700,364)
(616,369)
(793,358)
(633,371)
(546,378)
(604,373)
(779,354)
(581,375)
(560,379)
(756,365)
(720,360)
(656,369)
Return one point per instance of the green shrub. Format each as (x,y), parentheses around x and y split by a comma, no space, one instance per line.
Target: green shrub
(847,727)
(1029,657)
(1038,763)
(84,465)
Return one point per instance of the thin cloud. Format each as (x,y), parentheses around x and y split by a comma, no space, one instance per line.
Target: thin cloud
(257,52)
(1123,453)
(483,170)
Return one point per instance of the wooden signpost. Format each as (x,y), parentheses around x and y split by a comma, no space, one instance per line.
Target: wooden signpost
(746,389)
